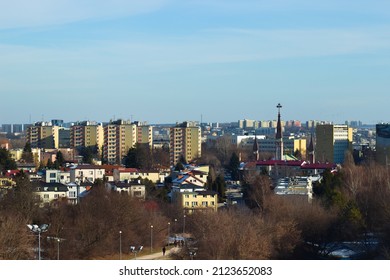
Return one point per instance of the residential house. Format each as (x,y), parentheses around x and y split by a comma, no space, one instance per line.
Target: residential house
(50,193)
(57,176)
(129,174)
(198,200)
(133,189)
(90,173)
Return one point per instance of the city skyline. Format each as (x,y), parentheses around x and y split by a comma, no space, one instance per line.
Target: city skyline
(167,61)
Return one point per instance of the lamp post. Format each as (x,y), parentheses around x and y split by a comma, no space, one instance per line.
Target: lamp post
(58,249)
(175,229)
(58,240)
(169,231)
(184,224)
(120,244)
(135,251)
(38,230)
(151,238)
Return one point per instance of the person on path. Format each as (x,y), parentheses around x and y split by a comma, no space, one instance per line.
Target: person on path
(163,251)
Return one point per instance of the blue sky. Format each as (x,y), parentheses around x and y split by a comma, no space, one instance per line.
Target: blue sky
(163,61)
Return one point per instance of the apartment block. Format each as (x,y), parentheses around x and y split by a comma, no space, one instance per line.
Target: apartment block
(87,134)
(185,140)
(43,135)
(120,136)
(332,141)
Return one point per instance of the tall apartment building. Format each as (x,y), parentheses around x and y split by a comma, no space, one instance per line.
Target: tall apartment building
(86,134)
(383,143)
(185,140)
(120,136)
(43,135)
(332,141)
(7,128)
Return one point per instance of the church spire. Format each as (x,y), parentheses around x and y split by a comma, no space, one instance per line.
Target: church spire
(279,125)
(279,137)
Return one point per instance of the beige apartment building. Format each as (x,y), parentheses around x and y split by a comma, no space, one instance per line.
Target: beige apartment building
(43,135)
(87,134)
(120,136)
(185,140)
(332,141)
(198,200)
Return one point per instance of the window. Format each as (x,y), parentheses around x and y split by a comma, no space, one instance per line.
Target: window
(53,175)
(194,203)
(204,203)
(46,196)
(72,194)
(55,196)
(187,204)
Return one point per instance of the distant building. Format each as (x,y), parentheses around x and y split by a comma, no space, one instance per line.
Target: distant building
(120,136)
(64,137)
(43,135)
(383,143)
(17,128)
(6,128)
(332,141)
(185,141)
(86,134)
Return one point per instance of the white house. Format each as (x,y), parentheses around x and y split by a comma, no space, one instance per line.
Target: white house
(83,173)
(135,190)
(57,176)
(49,193)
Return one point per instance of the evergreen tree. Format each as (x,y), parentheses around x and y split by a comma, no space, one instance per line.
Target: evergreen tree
(233,167)
(59,159)
(6,161)
(27,155)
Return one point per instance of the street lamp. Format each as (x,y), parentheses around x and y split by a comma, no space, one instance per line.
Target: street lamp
(175,230)
(58,240)
(135,251)
(120,244)
(169,231)
(184,224)
(38,230)
(151,238)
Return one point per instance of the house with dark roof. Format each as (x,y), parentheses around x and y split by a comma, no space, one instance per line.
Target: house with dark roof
(50,193)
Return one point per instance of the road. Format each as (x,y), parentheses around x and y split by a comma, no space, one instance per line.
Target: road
(158,255)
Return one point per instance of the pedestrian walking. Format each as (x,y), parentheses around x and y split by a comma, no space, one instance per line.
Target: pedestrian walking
(163,251)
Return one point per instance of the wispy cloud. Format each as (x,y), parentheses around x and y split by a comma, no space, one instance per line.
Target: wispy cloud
(208,47)
(27,13)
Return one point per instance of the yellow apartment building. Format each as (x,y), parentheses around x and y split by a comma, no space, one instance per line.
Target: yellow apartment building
(198,200)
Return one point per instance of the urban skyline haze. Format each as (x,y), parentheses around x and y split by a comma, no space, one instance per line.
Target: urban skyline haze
(166,61)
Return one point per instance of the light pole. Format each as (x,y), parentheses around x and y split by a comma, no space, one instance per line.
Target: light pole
(135,251)
(169,231)
(58,240)
(58,249)
(38,230)
(175,230)
(184,224)
(151,238)
(120,244)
